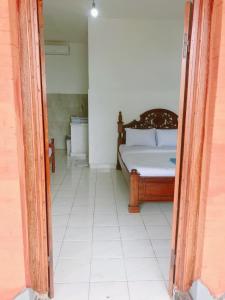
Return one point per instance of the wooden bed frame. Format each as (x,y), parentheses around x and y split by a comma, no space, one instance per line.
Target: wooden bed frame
(52,156)
(146,188)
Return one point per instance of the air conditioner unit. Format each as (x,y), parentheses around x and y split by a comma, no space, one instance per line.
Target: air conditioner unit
(57,48)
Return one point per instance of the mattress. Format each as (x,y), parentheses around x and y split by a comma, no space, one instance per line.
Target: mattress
(145,149)
(154,162)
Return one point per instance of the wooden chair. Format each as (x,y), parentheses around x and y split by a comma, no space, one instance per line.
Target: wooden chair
(52,154)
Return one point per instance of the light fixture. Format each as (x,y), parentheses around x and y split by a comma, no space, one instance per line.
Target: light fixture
(94,10)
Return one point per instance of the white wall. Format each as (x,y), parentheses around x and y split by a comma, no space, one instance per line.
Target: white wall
(134,65)
(68,74)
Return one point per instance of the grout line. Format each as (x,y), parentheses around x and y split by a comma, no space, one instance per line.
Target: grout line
(57,259)
(121,242)
(156,257)
(97,177)
(163,212)
(68,220)
(92,234)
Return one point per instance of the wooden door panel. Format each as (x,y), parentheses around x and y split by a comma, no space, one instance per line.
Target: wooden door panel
(46,145)
(188,17)
(35,131)
(188,208)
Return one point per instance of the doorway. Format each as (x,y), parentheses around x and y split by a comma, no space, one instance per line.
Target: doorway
(101,250)
(66,58)
(181,141)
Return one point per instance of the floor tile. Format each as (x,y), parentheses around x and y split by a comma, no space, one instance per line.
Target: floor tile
(98,245)
(84,201)
(161,247)
(109,290)
(166,206)
(76,250)
(85,194)
(62,198)
(164,264)
(56,251)
(105,210)
(63,201)
(103,233)
(142,269)
(148,290)
(137,248)
(81,220)
(65,193)
(61,210)
(73,291)
(58,233)
(107,249)
(122,208)
(133,233)
(107,270)
(150,208)
(70,271)
(159,232)
(169,217)
(155,220)
(130,220)
(60,220)
(82,209)
(105,220)
(78,234)
(67,187)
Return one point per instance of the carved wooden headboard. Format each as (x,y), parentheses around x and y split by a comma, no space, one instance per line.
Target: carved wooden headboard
(155,118)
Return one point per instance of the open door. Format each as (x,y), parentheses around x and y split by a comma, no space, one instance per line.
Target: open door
(188,18)
(46,144)
(36,146)
(189,202)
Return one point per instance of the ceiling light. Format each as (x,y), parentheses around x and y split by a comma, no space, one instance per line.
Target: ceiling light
(94,10)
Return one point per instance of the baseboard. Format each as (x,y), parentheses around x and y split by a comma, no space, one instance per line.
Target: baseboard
(177,295)
(25,295)
(199,291)
(29,294)
(79,156)
(102,166)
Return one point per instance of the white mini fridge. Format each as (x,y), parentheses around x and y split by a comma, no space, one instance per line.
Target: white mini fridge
(79,140)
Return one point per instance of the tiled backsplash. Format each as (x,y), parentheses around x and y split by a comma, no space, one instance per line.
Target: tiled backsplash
(60,108)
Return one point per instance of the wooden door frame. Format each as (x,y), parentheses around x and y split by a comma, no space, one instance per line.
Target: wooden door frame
(46,145)
(188,208)
(188,223)
(35,132)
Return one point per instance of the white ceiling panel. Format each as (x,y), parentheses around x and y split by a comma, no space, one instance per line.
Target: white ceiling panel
(67,19)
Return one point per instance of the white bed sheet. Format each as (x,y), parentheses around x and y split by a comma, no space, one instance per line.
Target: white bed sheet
(149,161)
(145,149)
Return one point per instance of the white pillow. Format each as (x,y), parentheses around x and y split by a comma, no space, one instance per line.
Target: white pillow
(166,137)
(140,137)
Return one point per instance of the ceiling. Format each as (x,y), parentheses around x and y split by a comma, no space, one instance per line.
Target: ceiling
(67,19)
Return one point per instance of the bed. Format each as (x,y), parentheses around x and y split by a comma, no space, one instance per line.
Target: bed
(148,170)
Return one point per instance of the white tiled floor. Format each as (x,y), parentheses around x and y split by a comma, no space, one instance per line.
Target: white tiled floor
(100,251)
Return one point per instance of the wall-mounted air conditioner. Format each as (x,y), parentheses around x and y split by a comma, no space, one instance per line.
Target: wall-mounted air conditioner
(57,48)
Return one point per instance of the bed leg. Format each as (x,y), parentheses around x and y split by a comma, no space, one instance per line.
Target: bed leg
(134,201)
(118,167)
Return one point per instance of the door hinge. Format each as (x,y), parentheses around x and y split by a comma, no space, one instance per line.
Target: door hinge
(49,259)
(172,258)
(186,45)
